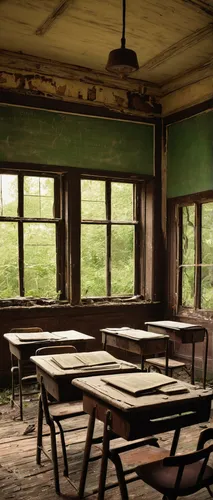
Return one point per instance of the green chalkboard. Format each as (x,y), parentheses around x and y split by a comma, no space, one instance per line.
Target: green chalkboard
(190,156)
(44,137)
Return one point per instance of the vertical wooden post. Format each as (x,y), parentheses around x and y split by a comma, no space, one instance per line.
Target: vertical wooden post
(73,232)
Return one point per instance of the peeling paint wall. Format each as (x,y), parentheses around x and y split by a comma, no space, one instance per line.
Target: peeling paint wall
(70,90)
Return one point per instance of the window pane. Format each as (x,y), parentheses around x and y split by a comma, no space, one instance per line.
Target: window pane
(122,260)
(93,205)
(207,233)
(207,287)
(38,197)
(9,277)
(188,236)
(40,260)
(188,286)
(93,261)
(122,201)
(8,195)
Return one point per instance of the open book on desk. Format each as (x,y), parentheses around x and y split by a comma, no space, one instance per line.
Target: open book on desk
(138,384)
(84,359)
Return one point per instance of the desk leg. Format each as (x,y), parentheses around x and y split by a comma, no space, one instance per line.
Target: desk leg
(175,442)
(142,363)
(20,388)
(205,358)
(167,357)
(193,364)
(105,455)
(105,342)
(39,431)
(87,450)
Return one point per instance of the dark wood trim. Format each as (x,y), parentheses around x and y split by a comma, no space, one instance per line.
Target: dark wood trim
(201,197)
(108,237)
(189,112)
(198,211)
(50,20)
(48,104)
(159,257)
(45,170)
(140,258)
(21,233)
(74,236)
(179,258)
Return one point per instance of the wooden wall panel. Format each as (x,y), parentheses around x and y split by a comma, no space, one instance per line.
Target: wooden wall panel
(88,319)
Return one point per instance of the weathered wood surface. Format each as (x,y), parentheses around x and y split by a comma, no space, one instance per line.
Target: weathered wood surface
(136,341)
(178,331)
(22,479)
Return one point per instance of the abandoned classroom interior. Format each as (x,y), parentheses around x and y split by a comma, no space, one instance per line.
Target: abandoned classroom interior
(106,223)
(63,115)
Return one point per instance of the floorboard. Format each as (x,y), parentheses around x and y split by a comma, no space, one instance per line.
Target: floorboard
(22,479)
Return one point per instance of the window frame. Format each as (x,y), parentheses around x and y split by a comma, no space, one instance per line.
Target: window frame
(57,220)
(175,250)
(68,200)
(109,223)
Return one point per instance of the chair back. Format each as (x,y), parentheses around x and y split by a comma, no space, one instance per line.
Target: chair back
(59,349)
(181,461)
(31,329)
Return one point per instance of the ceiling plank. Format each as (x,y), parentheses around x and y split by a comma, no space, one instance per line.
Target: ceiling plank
(188,78)
(178,47)
(201,5)
(55,14)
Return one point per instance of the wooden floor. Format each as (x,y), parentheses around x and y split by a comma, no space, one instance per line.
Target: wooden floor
(22,479)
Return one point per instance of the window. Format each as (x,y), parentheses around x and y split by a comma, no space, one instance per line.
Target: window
(109,227)
(195,255)
(68,235)
(29,230)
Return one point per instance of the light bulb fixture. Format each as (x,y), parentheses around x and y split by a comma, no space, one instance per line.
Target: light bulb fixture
(122,61)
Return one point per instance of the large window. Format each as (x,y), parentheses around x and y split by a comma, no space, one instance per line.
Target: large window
(68,235)
(29,229)
(195,255)
(109,226)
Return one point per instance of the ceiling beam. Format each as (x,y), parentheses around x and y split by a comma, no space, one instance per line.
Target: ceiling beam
(187,78)
(177,48)
(55,14)
(201,5)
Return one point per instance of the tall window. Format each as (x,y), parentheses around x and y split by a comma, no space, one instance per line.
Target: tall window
(29,228)
(109,228)
(70,236)
(195,255)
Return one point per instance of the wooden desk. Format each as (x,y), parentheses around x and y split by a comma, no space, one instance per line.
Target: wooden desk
(58,382)
(22,350)
(185,333)
(133,418)
(137,341)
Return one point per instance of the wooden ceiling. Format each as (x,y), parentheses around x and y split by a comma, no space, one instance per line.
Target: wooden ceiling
(171,37)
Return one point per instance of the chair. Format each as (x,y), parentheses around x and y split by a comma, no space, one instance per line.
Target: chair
(181,475)
(54,414)
(28,367)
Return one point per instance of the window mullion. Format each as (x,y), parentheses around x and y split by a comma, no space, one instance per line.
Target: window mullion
(21,233)
(139,250)
(179,270)
(198,256)
(109,237)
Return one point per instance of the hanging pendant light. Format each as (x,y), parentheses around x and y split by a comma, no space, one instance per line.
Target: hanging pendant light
(122,61)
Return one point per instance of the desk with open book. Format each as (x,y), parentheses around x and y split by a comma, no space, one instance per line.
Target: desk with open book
(137,341)
(137,406)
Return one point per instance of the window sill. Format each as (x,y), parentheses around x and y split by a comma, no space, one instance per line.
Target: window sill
(23,303)
(194,314)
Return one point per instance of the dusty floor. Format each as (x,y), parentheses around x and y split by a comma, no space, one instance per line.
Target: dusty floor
(22,479)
